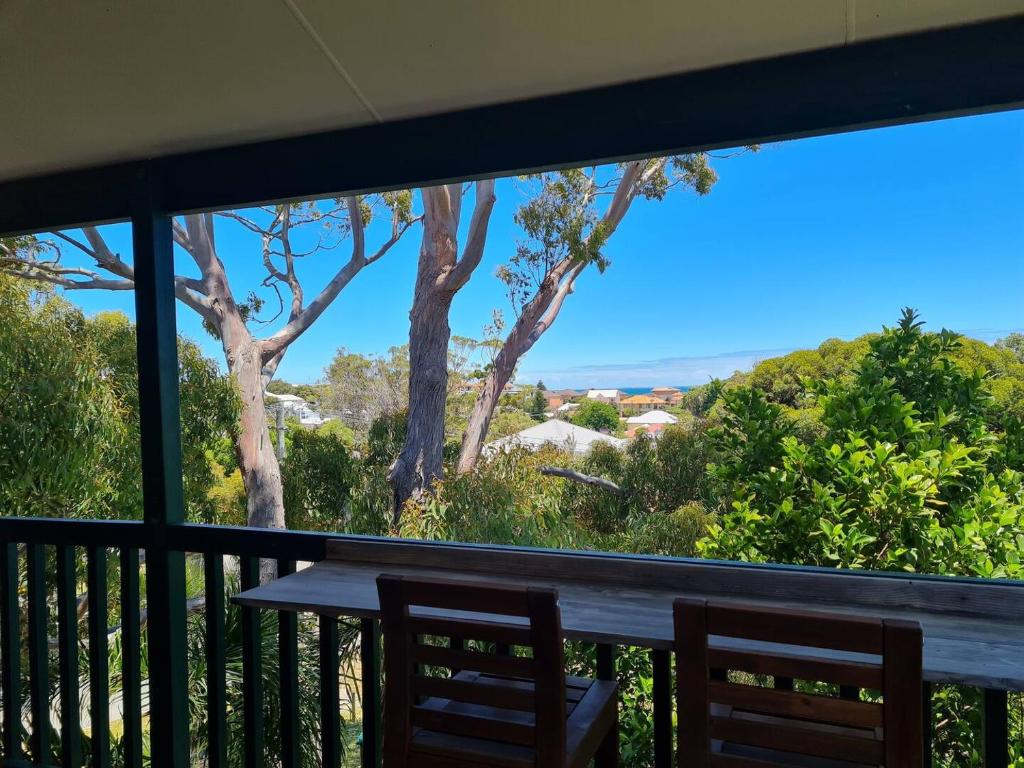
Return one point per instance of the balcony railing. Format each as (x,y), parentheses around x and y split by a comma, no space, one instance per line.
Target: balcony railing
(43,564)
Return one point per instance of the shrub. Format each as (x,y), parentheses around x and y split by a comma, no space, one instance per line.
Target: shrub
(318,476)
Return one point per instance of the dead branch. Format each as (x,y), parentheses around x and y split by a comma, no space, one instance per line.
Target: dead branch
(579,477)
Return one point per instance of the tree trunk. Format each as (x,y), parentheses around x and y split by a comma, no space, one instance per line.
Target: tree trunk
(256,458)
(420,462)
(533,321)
(483,409)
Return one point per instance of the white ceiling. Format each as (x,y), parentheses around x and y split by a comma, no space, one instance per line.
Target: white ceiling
(84,82)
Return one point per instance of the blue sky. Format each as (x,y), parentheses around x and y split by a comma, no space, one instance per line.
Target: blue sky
(800,242)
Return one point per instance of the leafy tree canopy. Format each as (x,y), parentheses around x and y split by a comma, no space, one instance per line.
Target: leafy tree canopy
(596,415)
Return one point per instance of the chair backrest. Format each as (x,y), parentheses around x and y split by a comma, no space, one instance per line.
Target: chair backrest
(471,628)
(849,653)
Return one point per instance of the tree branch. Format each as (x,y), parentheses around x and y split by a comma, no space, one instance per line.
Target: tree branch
(278,342)
(474,250)
(579,477)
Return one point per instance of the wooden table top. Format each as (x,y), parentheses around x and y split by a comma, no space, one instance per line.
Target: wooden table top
(957,649)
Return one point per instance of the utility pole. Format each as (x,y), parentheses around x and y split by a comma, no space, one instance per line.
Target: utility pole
(280,432)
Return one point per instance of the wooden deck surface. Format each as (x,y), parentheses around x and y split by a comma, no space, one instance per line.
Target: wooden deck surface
(966,640)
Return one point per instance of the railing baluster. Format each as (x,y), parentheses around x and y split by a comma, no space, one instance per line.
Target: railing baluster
(782,683)
(456,644)
(131,662)
(330,707)
(67,640)
(996,733)
(370,657)
(10,636)
(252,670)
(38,655)
(605,662)
(288,670)
(926,714)
(216,663)
(661,662)
(99,663)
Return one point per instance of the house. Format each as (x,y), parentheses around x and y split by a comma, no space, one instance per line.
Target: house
(653,417)
(605,395)
(561,434)
(295,407)
(566,408)
(671,395)
(640,404)
(651,423)
(554,400)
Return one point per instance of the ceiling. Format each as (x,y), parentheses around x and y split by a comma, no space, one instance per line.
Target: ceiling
(86,82)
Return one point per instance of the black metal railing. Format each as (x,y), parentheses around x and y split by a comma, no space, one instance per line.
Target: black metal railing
(38,603)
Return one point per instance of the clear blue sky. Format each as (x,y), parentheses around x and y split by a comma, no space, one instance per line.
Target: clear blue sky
(803,241)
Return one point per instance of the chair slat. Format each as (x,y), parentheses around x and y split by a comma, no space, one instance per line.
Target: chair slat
(736,725)
(719,760)
(470,629)
(478,725)
(904,705)
(847,633)
(437,656)
(469,596)
(478,690)
(780,735)
(855,673)
(495,709)
(752,698)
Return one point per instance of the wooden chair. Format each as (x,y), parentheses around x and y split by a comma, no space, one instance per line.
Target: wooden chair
(725,721)
(492,706)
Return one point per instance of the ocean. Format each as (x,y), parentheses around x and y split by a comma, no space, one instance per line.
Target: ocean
(645,390)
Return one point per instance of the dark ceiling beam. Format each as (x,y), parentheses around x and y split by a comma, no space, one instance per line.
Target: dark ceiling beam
(926,75)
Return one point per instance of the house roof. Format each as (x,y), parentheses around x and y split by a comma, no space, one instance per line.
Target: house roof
(642,400)
(284,398)
(653,417)
(560,433)
(608,393)
(339,65)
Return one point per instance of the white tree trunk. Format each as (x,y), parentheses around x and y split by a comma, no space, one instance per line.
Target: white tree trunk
(261,472)
(420,462)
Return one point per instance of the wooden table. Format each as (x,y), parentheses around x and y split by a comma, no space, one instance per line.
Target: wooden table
(973,630)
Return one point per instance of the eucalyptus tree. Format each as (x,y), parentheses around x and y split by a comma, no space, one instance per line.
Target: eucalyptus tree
(251,360)
(442,271)
(567,221)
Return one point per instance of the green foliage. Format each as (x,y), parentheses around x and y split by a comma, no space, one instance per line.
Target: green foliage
(596,415)
(62,431)
(508,421)
(386,437)
(908,474)
(538,405)
(318,475)
(69,423)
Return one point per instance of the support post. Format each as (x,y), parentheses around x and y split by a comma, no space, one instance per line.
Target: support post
(997,738)
(370,657)
(163,503)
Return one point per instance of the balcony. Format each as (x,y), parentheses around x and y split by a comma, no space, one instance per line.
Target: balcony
(83,645)
(122,643)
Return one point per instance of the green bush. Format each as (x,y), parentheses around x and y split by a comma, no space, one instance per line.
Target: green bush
(318,475)
(594,414)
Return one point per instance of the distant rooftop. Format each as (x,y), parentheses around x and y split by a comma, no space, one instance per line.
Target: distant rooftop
(561,434)
(653,417)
